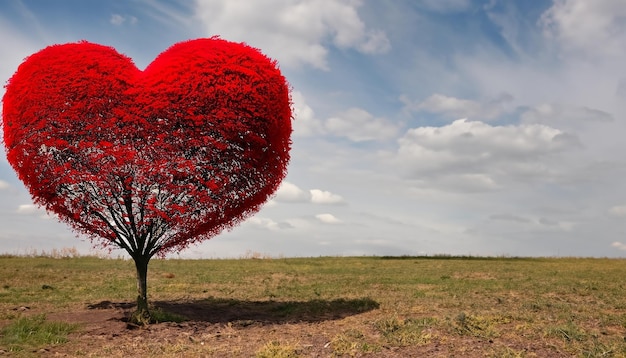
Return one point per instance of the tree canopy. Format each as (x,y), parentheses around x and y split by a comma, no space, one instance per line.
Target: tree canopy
(149,161)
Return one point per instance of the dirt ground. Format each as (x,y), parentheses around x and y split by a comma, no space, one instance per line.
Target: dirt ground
(230,329)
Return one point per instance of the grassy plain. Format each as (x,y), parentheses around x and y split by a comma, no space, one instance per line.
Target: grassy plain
(326,306)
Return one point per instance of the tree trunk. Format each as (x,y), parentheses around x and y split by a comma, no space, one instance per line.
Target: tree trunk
(142,314)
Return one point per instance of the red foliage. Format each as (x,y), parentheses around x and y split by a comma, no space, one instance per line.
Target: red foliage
(153,160)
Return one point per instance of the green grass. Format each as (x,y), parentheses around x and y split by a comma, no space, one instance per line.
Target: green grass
(33,332)
(158,315)
(275,349)
(569,306)
(404,332)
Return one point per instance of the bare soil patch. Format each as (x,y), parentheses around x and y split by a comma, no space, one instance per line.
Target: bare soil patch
(243,329)
(216,327)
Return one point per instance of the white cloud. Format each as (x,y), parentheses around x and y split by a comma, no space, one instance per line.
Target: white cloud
(16,46)
(453,107)
(480,155)
(269,224)
(564,115)
(305,123)
(358,125)
(618,245)
(589,28)
(294,32)
(460,182)
(118,20)
(289,192)
(325,197)
(510,24)
(34,210)
(618,211)
(481,141)
(300,223)
(376,43)
(4,185)
(327,218)
(28,209)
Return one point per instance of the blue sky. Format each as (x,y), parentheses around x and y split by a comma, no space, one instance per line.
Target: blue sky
(421,127)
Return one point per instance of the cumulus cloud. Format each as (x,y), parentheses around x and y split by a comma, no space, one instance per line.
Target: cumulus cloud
(591,28)
(453,107)
(358,125)
(478,141)
(4,185)
(291,193)
(294,32)
(478,154)
(325,197)
(327,218)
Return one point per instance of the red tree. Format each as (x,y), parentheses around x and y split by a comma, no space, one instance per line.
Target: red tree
(149,161)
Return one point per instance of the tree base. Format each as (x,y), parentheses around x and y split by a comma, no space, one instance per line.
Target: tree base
(140,318)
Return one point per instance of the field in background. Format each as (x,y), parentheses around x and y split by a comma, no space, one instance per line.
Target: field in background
(327,306)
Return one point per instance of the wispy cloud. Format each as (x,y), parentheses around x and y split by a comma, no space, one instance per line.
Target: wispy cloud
(619,245)
(294,32)
(359,125)
(453,107)
(355,124)
(119,20)
(618,211)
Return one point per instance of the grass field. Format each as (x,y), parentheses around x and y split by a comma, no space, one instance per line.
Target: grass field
(327,306)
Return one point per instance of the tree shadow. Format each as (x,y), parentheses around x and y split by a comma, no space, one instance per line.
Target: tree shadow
(241,312)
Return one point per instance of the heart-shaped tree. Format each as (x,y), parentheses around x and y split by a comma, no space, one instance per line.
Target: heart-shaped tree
(149,161)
